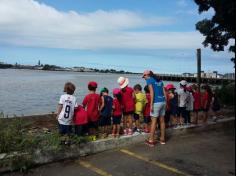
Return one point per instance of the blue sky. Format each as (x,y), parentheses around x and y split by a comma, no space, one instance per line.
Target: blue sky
(126,35)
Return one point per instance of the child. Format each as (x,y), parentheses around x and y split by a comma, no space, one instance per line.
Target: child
(215,106)
(206,101)
(140,102)
(117,113)
(147,111)
(167,113)
(127,94)
(65,111)
(182,102)
(80,120)
(106,111)
(173,101)
(197,102)
(190,106)
(91,103)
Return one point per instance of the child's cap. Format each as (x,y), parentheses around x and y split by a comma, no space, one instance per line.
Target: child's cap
(183,83)
(116,91)
(104,89)
(169,86)
(123,82)
(189,88)
(93,84)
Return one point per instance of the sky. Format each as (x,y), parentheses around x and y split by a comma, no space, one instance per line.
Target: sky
(130,35)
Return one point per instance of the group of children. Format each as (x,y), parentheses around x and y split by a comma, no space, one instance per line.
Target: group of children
(128,105)
(189,100)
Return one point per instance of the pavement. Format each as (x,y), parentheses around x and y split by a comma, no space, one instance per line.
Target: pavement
(208,153)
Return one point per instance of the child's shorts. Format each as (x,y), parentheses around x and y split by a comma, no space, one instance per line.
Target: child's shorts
(105,121)
(147,119)
(65,129)
(116,120)
(128,113)
(136,116)
(93,124)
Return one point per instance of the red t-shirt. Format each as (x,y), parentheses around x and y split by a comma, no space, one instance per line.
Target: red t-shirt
(128,99)
(147,108)
(117,110)
(197,100)
(206,100)
(91,103)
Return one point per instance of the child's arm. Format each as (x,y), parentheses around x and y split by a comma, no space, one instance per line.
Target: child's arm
(102,103)
(59,109)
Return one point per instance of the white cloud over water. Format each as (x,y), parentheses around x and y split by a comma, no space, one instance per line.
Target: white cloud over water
(33,24)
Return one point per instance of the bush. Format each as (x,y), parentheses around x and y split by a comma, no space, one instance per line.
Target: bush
(226,94)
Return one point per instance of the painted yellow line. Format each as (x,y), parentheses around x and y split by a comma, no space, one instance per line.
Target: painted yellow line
(156,163)
(93,168)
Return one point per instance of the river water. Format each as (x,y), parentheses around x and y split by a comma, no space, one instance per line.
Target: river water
(31,92)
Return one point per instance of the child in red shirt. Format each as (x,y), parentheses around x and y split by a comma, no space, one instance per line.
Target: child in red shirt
(206,101)
(91,103)
(117,113)
(197,102)
(128,103)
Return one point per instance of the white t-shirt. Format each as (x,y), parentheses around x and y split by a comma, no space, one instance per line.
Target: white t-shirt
(69,103)
(183,98)
(190,102)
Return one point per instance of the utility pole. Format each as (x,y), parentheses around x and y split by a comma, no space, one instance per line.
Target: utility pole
(199,67)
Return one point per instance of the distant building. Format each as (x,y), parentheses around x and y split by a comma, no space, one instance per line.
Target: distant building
(229,76)
(188,75)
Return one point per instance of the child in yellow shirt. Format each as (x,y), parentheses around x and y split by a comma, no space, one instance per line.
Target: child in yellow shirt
(140,102)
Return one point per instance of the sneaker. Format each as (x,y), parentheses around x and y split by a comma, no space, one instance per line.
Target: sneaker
(214,119)
(162,142)
(150,144)
(125,132)
(139,131)
(130,132)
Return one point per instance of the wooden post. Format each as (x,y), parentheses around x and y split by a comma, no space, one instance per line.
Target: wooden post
(199,67)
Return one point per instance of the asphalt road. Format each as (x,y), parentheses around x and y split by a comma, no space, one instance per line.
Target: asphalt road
(209,153)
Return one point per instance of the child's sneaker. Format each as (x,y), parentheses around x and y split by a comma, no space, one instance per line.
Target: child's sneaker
(130,131)
(139,130)
(125,132)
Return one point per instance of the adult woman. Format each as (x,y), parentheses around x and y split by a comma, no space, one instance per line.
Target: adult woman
(158,105)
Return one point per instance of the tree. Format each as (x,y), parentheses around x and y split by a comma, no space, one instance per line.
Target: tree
(221,28)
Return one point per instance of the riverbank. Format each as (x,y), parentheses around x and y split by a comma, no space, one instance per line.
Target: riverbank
(37,149)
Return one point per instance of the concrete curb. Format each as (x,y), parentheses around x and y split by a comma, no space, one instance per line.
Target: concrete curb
(111,143)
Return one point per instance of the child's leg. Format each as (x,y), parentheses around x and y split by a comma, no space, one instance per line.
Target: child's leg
(129,121)
(118,129)
(196,117)
(113,130)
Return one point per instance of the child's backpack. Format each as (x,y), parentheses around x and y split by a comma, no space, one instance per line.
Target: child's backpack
(80,116)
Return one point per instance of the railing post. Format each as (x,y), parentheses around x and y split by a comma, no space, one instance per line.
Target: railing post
(199,67)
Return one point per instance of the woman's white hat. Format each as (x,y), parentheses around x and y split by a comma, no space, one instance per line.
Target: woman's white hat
(123,82)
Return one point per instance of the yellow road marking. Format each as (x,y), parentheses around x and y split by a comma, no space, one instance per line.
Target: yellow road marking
(157,163)
(93,168)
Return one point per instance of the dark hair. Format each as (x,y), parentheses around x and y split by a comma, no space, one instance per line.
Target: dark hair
(154,76)
(119,97)
(138,87)
(91,88)
(69,88)
(146,89)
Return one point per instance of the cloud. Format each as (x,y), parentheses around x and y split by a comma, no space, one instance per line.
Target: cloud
(182,3)
(33,24)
